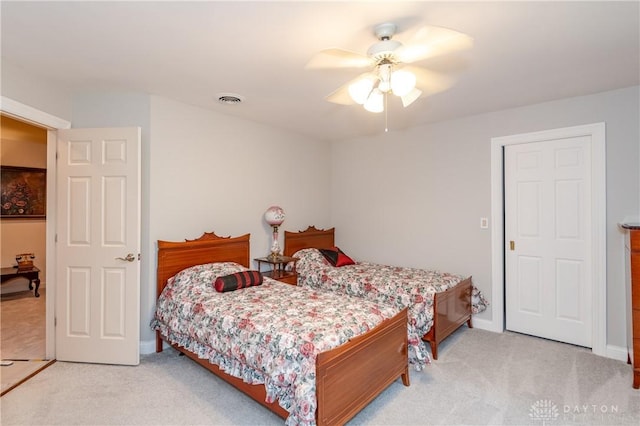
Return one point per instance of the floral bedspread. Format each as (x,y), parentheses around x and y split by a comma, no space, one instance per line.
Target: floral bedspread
(397,286)
(269,334)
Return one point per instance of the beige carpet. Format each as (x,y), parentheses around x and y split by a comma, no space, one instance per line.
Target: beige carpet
(480,378)
(22,318)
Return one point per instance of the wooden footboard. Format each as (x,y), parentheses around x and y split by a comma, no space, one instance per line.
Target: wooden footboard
(352,375)
(348,377)
(451,309)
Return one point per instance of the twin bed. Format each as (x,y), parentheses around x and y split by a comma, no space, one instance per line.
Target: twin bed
(438,302)
(312,357)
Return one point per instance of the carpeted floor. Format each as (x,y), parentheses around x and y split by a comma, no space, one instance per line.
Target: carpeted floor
(481,378)
(22,338)
(23,325)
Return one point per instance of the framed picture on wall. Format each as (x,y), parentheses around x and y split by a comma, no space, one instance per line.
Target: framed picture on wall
(24,192)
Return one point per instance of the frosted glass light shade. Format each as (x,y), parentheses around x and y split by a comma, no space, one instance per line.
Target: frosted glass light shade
(274,216)
(375,102)
(402,82)
(360,90)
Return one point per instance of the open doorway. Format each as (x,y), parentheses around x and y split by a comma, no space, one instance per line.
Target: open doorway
(23,302)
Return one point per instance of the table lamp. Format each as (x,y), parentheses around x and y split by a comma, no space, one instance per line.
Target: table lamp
(274,217)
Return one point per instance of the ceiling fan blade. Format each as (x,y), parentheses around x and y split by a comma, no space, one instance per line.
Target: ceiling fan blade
(338,58)
(341,96)
(429,42)
(410,97)
(430,82)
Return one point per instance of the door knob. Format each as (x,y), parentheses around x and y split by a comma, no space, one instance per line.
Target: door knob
(130,258)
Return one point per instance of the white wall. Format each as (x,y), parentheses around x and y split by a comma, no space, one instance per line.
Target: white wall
(215,173)
(416,197)
(35,91)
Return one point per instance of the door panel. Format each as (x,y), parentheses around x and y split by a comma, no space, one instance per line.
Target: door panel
(547,217)
(98,302)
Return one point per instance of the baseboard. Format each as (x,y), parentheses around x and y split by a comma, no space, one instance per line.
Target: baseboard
(149,346)
(616,352)
(484,324)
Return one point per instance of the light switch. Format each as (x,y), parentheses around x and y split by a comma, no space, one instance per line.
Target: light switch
(484,223)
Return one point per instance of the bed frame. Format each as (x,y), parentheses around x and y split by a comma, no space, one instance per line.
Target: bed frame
(344,380)
(451,308)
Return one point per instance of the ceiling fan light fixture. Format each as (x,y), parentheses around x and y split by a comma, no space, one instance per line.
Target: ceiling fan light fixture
(361,89)
(383,49)
(375,101)
(384,73)
(402,82)
(384,86)
(390,70)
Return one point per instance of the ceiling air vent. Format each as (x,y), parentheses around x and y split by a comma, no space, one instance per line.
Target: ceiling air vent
(230,99)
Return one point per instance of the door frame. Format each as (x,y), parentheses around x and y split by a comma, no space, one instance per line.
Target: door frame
(598,253)
(22,112)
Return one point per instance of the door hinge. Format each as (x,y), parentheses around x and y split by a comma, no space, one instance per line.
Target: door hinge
(55,321)
(512,245)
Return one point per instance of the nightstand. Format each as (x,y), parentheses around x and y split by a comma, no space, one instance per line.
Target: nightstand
(277,268)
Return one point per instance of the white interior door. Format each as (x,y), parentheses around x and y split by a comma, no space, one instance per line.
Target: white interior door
(98,246)
(548,283)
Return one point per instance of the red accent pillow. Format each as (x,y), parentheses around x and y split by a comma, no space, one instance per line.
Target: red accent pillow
(237,281)
(336,257)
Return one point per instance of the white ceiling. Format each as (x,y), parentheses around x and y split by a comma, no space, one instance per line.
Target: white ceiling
(524,53)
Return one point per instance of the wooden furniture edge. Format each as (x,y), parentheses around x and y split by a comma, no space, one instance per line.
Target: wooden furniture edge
(451,309)
(309,238)
(351,376)
(632,291)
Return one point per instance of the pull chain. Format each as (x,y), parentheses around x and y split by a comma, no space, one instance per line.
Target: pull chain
(386,121)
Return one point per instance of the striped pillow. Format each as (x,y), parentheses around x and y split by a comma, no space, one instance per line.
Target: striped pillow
(237,281)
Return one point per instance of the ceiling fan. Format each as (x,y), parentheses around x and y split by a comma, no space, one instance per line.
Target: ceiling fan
(390,72)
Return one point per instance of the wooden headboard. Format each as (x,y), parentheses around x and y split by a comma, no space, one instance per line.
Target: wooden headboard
(309,238)
(173,257)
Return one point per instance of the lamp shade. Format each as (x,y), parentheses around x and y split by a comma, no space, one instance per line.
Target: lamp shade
(402,82)
(375,102)
(360,89)
(274,216)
